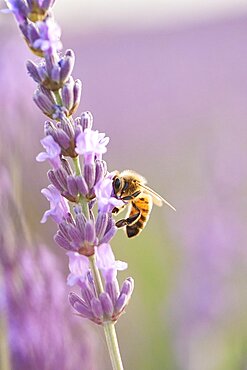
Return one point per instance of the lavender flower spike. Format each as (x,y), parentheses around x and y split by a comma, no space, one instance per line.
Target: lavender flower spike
(81,193)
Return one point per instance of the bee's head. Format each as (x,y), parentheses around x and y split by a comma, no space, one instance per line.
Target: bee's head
(120,187)
(117,184)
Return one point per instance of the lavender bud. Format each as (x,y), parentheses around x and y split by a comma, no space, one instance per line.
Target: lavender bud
(86,293)
(49,129)
(55,76)
(86,120)
(62,242)
(32,69)
(100,170)
(32,33)
(67,127)
(67,65)
(77,96)
(112,288)
(80,306)
(52,177)
(66,166)
(62,138)
(127,287)
(91,283)
(78,127)
(61,177)
(72,186)
(48,93)
(82,185)
(74,235)
(97,308)
(67,94)
(120,304)
(90,232)
(44,104)
(42,74)
(81,224)
(63,230)
(89,174)
(22,12)
(46,4)
(101,223)
(109,235)
(107,304)
(49,62)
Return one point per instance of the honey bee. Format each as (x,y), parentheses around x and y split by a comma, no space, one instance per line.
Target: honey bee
(131,188)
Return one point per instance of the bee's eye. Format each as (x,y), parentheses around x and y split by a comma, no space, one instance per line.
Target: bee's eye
(126,185)
(116,184)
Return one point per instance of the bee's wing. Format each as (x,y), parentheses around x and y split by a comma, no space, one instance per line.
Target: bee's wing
(157,199)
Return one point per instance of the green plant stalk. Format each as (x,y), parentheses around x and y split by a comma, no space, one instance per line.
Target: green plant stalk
(112,344)
(57,97)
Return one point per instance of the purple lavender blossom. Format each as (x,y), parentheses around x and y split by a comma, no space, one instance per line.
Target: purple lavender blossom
(18,8)
(53,151)
(90,143)
(80,235)
(106,306)
(49,37)
(106,262)
(104,193)
(59,206)
(79,268)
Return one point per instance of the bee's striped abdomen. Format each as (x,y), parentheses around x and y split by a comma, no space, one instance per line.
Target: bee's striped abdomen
(144,205)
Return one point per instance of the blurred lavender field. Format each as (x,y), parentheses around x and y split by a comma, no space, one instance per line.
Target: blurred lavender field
(173,102)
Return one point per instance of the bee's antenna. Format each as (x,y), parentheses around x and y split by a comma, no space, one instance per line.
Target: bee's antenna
(169,204)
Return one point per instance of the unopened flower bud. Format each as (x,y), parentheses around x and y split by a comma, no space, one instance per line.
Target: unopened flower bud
(107,304)
(44,104)
(97,308)
(67,65)
(89,174)
(86,120)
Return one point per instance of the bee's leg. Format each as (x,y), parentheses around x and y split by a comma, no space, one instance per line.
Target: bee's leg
(132,196)
(129,220)
(116,210)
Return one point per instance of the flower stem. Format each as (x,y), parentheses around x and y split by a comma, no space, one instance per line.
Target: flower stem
(96,275)
(77,165)
(109,327)
(58,98)
(112,344)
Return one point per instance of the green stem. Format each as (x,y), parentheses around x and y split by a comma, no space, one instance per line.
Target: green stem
(77,165)
(112,344)
(58,97)
(96,275)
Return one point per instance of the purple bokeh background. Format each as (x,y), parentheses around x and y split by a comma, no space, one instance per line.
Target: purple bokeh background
(173,102)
